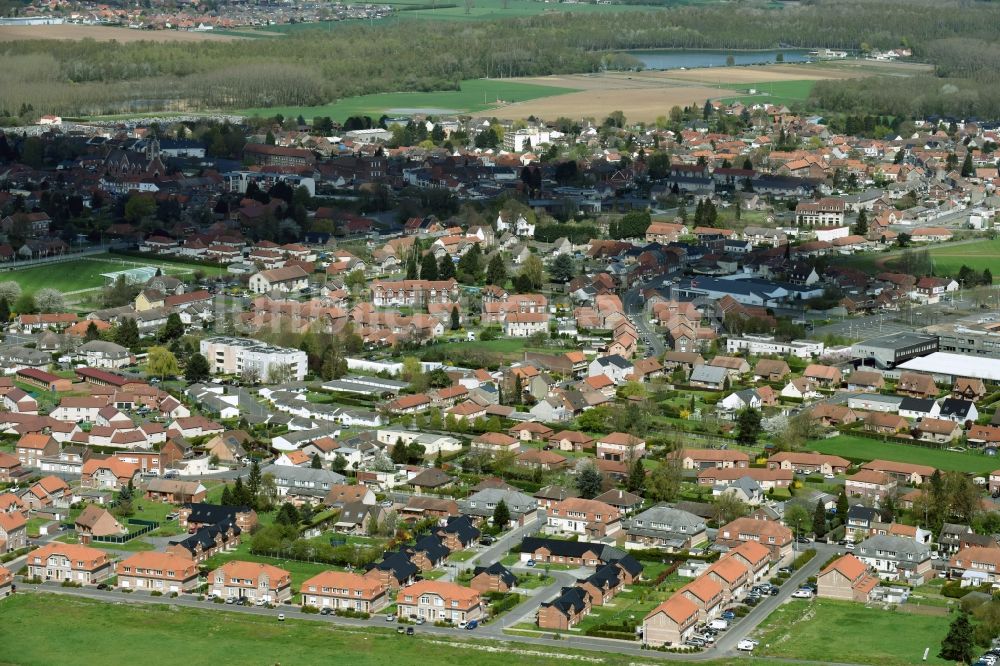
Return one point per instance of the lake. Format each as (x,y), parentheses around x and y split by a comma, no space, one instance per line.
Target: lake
(676,59)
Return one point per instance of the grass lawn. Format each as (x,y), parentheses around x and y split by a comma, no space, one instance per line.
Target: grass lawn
(85,273)
(531,582)
(824,629)
(462,556)
(948,259)
(473,95)
(870,449)
(629,606)
(773,92)
(34,524)
(103,633)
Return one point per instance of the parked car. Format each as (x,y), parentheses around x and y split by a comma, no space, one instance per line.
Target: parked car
(728,615)
(420,620)
(390,618)
(802,593)
(695,642)
(326,611)
(472,624)
(103,586)
(746,645)
(409,631)
(849,546)
(281,617)
(720,625)
(231,600)
(530,563)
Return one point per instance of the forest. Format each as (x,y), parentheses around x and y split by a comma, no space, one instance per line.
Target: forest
(313,67)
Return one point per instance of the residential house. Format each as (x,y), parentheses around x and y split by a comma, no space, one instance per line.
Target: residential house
(846,579)
(250,580)
(95,521)
(157,572)
(808,463)
(494,578)
(32,447)
(439,601)
(671,623)
(584,517)
(870,484)
(662,526)
(13,531)
(896,557)
(975,565)
(711,458)
(775,536)
(343,590)
(59,562)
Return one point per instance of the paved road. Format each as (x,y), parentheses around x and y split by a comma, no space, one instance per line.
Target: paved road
(724,647)
(635,308)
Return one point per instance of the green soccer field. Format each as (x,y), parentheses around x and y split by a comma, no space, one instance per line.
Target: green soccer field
(949,259)
(80,275)
(773,92)
(871,449)
(474,95)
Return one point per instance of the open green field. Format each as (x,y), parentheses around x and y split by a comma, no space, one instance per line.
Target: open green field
(473,95)
(948,259)
(773,92)
(104,634)
(826,630)
(870,449)
(84,274)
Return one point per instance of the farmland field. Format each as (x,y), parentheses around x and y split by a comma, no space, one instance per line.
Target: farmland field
(474,95)
(774,92)
(102,33)
(848,632)
(871,449)
(84,274)
(100,633)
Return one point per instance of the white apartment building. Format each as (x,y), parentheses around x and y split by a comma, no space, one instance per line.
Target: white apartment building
(236,356)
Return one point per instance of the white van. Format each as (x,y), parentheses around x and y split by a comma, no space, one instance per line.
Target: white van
(718,625)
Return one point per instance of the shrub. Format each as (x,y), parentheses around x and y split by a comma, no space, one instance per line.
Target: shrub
(173,595)
(156,593)
(218,600)
(348,612)
(310,610)
(69,583)
(803,559)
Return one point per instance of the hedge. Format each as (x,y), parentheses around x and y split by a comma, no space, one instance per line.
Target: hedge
(803,559)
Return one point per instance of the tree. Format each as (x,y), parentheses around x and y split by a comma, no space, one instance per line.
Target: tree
(532,274)
(287,515)
(173,329)
(162,363)
(496,272)
(748,427)
(967,168)
(89,335)
(589,481)
(958,644)
(664,482)
(398,452)
(446,268)
(197,369)
(470,265)
(316,462)
(25,304)
(563,268)
(10,291)
(456,321)
(819,519)
(842,506)
(139,207)
(127,333)
(861,226)
(49,300)
(797,517)
(339,463)
(227,496)
(636,479)
(428,267)
(501,515)
(253,484)
(727,507)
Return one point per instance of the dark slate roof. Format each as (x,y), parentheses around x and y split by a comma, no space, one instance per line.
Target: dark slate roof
(562,548)
(606,577)
(631,565)
(572,601)
(861,512)
(213,513)
(497,569)
(397,562)
(462,527)
(916,404)
(955,407)
(431,544)
(206,536)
